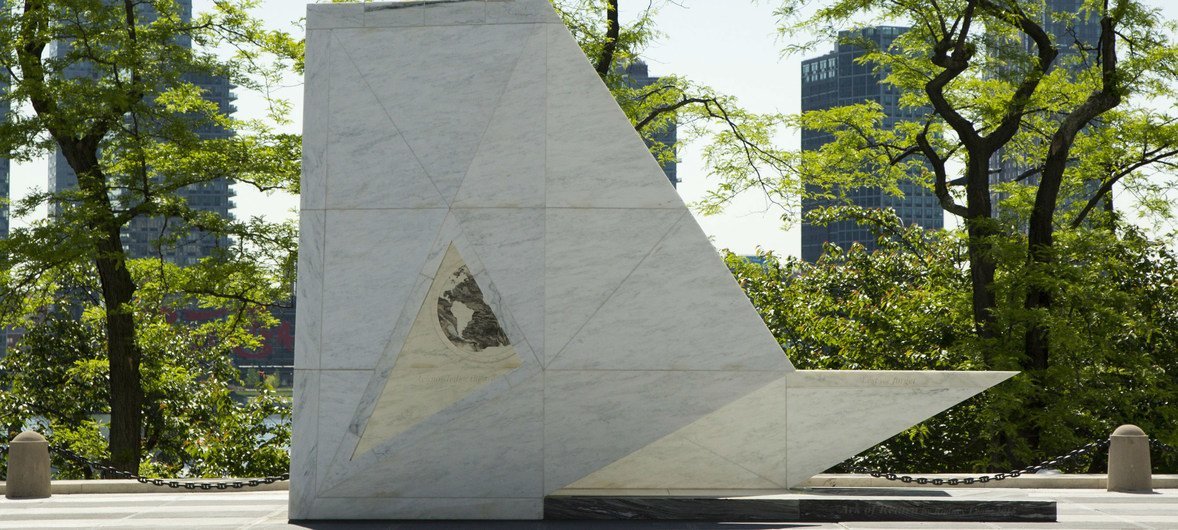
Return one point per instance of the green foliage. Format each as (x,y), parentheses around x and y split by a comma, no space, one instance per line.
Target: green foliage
(905,306)
(739,146)
(56,380)
(137,133)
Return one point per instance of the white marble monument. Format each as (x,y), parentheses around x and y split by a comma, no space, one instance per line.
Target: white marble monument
(500,296)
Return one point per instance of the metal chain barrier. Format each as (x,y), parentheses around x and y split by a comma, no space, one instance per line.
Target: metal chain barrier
(1089,448)
(1158,444)
(188,485)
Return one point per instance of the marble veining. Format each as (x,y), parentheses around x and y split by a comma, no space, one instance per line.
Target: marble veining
(717,451)
(682,299)
(587,256)
(510,243)
(309,289)
(372,262)
(867,408)
(305,427)
(443,96)
(316,109)
(455,346)
(501,295)
(370,161)
(584,430)
(508,168)
(601,162)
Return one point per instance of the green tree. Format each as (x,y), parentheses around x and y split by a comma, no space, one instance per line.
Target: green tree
(907,306)
(997,82)
(738,144)
(129,133)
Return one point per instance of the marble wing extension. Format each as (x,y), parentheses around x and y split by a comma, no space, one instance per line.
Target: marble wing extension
(500,295)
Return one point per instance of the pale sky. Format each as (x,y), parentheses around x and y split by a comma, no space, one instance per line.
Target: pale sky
(730,45)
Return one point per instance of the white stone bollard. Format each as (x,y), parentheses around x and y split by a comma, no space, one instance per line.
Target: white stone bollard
(28,467)
(1129,467)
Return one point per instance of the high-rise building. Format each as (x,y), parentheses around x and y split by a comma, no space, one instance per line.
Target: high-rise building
(1071,34)
(5,168)
(141,236)
(5,193)
(836,79)
(140,239)
(638,75)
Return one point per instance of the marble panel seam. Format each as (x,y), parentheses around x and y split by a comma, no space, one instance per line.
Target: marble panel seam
(729,460)
(494,111)
(439,25)
(439,498)
(613,207)
(671,228)
(381,209)
(393,122)
(331,40)
(680,370)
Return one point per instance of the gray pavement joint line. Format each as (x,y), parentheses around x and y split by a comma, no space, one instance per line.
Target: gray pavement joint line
(1119,517)
(266,519)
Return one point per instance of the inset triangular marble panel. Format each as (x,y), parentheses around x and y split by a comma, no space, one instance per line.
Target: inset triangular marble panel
(461,69)
(455,346)
(493,449)
(510,245)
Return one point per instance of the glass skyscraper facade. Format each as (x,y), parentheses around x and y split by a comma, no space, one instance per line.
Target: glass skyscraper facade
(639,76)
(836,79)
(5,170)
(141,236)
(1070,37)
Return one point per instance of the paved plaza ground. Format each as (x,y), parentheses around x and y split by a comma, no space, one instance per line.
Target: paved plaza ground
(1078,509)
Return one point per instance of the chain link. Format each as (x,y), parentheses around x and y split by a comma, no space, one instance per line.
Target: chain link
(188,485)
(1158,444)
(1089,448)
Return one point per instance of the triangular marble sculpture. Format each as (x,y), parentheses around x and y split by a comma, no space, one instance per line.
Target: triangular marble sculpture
(463,163)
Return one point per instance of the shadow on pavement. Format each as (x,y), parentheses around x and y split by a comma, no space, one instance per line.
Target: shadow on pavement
(542,525)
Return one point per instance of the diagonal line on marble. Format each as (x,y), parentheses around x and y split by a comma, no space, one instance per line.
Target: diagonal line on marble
(870,405)
(750,431)
(469,454)
(360,407)
(595,156)
(509,242)
(518,81)
(399,240)
(392,122)
(461,69)
(614,290)
(594,418)
(345,461)
(714,325)
(441,364)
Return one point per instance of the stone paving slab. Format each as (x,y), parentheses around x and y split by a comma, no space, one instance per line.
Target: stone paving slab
(1078,509)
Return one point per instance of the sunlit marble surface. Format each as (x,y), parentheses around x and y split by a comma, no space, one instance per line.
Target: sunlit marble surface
(475,135)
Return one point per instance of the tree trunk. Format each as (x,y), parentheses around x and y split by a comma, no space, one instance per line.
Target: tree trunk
(118,290)
(126,391)
(981,230)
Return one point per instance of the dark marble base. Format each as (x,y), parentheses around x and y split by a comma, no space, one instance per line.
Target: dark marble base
(796,508)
